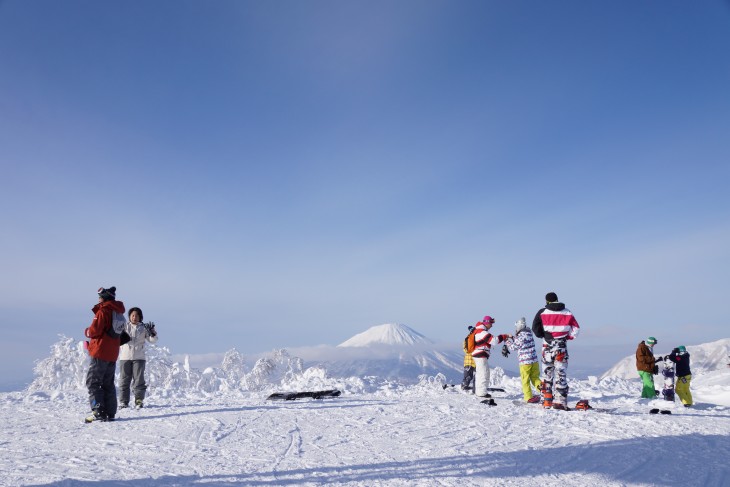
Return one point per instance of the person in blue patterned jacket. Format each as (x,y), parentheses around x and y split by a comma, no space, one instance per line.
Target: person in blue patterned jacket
(524,342)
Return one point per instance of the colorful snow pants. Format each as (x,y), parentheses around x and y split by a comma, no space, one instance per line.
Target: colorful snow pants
(648,390)
(468,381)
(529,374)
(682,389)
(555,368)
(482,377)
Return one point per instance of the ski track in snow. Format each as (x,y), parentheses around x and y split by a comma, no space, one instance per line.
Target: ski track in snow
(419,437)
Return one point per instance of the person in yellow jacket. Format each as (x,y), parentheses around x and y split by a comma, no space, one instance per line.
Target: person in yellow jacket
(470,366)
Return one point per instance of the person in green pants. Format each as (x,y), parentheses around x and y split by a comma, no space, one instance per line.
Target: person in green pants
(646,366)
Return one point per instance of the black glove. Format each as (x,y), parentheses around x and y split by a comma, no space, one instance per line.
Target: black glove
(659,358)
(676,350)
(656,369)
(151,328)
(505,351)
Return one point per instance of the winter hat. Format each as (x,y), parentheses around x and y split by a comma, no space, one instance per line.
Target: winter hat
(470,328)
(520,324)
(682,349)
(488,319)
(650,341)
(551,298)
(108,294)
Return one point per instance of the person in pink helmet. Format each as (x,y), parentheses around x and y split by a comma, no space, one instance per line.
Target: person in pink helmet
(483,342)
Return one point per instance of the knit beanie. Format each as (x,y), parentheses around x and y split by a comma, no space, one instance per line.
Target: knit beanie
(108,294)
(551,298)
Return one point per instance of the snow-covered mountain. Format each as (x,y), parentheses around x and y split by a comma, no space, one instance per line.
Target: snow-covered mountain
(392,351)
(387,334)
(703,358)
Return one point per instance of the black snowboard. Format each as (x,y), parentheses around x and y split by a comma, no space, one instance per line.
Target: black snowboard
(291,396)
(490,389)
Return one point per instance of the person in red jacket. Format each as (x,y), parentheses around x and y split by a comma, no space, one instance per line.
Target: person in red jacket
(555,324)
(104,351)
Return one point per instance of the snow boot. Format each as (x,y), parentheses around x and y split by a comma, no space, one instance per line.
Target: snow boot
(562,407)
(138,403)
(547,400)
(123,405)
(534,399)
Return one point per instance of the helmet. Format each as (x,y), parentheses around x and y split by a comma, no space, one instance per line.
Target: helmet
(682,349)
(520,324)
(650,341)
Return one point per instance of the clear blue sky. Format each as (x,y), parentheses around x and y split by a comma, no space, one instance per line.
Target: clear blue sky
(277,174)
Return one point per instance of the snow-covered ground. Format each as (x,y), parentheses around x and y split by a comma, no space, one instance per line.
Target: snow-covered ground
(216,428)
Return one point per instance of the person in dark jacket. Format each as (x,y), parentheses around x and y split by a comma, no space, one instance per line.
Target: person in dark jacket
(646,367)
(104,351)
(555,324)
(680,356)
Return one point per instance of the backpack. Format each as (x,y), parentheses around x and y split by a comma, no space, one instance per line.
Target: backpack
(469,343)
(118,322)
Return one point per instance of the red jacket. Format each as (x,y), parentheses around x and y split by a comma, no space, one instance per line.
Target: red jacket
(102,346)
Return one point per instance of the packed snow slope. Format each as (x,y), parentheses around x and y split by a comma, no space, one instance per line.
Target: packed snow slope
(216,428)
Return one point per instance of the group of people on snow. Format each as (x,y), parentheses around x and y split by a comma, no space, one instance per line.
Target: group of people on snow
(555,324)
(105,347)
(647,366)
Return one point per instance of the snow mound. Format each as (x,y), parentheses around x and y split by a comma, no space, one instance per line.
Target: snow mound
(387,334)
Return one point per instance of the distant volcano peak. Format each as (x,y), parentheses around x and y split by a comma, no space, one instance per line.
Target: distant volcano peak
(387,334)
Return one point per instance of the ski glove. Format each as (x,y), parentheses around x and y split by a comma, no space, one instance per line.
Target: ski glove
(505,351)
(656,370)
(659,358)
(151,328)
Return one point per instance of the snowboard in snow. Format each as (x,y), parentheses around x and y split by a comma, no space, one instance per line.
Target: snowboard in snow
(291,396)
(490,389)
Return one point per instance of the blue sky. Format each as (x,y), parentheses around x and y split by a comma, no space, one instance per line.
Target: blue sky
(287,174)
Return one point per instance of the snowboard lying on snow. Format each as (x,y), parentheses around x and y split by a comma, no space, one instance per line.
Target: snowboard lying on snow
(590,408)
(490,389)
(291,396)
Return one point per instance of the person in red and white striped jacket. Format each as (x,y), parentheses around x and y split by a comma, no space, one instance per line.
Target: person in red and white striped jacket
(555,324)
(483,342)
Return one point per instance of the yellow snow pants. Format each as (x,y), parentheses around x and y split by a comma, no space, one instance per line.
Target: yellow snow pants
(530,374)
(682,389)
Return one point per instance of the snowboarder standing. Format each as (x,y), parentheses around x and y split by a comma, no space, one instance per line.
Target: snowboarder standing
(680,356)
(524,342)
(483,341)
(104,350)
(555,324)
(646,367)
(132,358)
(469,365)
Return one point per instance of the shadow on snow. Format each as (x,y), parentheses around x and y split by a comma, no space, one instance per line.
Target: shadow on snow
(685,460)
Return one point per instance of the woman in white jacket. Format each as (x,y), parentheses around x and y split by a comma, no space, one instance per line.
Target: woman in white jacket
(132,358)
